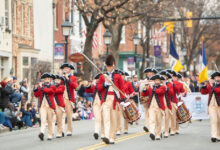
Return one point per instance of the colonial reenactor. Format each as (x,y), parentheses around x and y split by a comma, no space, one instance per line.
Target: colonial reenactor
(69,97)
(168,102)
(97,111)
(150,72)
(156,105)
(45,93)
(110,98)
(177,90)
(213,105)
(60,105)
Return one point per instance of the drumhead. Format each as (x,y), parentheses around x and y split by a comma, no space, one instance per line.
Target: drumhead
(179,104)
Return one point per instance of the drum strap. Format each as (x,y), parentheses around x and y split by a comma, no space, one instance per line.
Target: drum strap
(216,96)
(166,98)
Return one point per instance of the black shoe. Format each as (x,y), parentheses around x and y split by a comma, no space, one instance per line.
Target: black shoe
(58,137)
(106,140)
(157,139)
(96,136)
(177,133)
(118,134)
(111,142)
(49,139)
(165,137)
(145,129)
(213,140)
(218,140)
(125,132)
(152,136)
(69,134)
(169,130)
(41,136)
(63,134)
(172,134)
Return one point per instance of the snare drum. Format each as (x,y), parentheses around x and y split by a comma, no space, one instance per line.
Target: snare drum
(182,114)
(130,112)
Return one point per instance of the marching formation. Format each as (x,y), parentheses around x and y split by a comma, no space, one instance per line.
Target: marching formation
(115,98)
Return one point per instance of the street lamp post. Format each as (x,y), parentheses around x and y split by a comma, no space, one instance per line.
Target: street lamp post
(107,36)
(66,28)
(136,41)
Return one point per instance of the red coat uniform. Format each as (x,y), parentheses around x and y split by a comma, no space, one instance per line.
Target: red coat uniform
(212,91)
(48,93)
(128,89)
(59,91)
(117,80)
(71,85)
(177,89)
(169,95)
(159,92)
(90,89)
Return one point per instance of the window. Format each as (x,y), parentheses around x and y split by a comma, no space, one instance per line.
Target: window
(123,35)
(2,68)
(25,61)
(22,19)
(7,13)
(33,60)
(80,25)
(72,20)
(15,17)
(25,73)
(29,21)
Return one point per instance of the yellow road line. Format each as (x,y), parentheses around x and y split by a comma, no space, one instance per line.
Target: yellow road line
(102,144)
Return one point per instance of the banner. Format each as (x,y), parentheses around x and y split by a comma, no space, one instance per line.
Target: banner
(197,105)
(157,51)
(58,51)
(131,63)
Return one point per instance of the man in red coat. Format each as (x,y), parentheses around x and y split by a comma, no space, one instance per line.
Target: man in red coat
(168,102)
(150,72)
(60,105)
(156,105)
(45,93)
(213,90)
(111,97)
(97,111)
(69,97)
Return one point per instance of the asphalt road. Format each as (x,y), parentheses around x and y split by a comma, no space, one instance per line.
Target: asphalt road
(196,136)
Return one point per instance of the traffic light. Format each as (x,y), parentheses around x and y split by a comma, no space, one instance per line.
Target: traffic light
(169,27)
(189,22)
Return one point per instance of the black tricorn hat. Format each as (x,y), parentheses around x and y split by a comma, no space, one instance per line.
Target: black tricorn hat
(171,71)
(150,70)
(67,65)
(157,76)
(124,73)
(176,74)
(217,73)
(53,76)
(46,75)
(165,73)
(59,77)
(97,76)
(110,60)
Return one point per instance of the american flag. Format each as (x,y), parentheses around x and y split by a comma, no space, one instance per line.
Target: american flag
(159,36)
(94,40)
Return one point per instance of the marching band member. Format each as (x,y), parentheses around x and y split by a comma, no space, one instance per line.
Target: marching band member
(60,105)
(45,93)
(149,73)
(213,105)
(97,111)
(156,105)
(128,89)
(177,89)
(69,97)
(168,103)
(110,98)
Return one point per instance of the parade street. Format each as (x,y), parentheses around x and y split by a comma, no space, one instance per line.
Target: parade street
(194,137)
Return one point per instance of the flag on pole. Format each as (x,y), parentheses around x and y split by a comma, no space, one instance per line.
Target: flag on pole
(159,36)
(94,39)
(203,69)
(176,65)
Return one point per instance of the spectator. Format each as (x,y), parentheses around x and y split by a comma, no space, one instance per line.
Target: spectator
(15,97)
(34,115)
(11,118)
(24,90)
(4,96)
(26,115)
(16,86)
(2,118)
(195,83)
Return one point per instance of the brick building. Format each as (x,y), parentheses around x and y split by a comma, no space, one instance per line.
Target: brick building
(23,53)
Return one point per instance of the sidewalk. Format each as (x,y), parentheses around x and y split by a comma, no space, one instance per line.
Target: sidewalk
(3,129)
